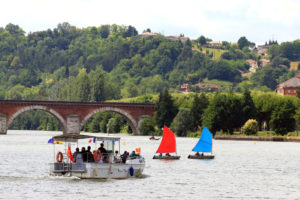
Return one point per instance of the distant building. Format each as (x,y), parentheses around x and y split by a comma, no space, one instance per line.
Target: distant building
(214,44)
(263,62)
(262,49)
(184,88)
(179,38)
(145,34)
(253,65)
(289,87)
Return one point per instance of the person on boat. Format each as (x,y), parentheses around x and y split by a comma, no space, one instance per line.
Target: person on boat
(90,157)
(124,156)
(168,154)
(197,154)
(160,155)
(102,149)
(117,158)
(133,155)
(103,152)
(152,137)
(84,154)
(75,154)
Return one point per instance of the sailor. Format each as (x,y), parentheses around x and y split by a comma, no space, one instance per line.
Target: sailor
(197,153)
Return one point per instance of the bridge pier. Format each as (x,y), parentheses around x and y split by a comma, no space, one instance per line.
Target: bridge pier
(3,128)
(73,125)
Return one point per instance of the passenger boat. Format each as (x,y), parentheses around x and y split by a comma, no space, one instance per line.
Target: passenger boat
(167,146)
(204,145)
(101,166)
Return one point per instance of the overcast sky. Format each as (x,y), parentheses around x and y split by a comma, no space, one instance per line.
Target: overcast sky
(258,20)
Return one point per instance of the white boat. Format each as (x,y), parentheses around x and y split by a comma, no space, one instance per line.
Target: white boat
(102,166)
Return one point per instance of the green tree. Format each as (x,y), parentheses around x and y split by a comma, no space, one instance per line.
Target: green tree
(248,107)
(198,106)
(82,86)
(182,123)
(282,118)
(243,42)
(147,126)
(165,109)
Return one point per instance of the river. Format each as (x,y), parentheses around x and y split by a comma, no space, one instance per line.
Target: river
(240,170)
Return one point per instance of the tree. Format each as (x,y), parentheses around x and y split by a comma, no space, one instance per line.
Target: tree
(165,109)
(147,126)
(243,42)
(248,107)
(223,113)
(182,123)
(282,118)
(197,110)
(98,87)
(82,86)
(201,40)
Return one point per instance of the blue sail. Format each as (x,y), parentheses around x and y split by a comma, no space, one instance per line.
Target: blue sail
(205,142)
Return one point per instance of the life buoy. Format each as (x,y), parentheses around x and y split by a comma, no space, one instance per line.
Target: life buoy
(59,157)
(97,155)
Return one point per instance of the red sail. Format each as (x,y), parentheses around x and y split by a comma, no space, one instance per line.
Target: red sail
(168,142)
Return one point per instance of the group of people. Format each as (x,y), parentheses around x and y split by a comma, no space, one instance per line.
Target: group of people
(87,156)
(125,156)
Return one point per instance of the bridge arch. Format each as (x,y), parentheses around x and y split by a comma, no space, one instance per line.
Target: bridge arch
(129,118)
(38,107)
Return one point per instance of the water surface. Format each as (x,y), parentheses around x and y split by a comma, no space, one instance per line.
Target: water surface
(240,170)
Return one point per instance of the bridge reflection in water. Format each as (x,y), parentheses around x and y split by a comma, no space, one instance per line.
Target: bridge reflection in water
(73,115)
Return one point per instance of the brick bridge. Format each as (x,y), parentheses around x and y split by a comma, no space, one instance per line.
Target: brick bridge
(73,115)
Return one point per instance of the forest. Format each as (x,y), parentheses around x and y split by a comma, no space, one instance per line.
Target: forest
(113,62)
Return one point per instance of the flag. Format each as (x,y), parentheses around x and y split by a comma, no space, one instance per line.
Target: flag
(51,141)
(138,150)
(69,154)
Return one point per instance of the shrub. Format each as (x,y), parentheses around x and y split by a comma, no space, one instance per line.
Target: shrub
(250,127)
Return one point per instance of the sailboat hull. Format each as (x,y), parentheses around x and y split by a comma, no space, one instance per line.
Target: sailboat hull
(166,157)
(201,157)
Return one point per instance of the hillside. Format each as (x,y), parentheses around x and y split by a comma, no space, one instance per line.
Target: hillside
(112,62)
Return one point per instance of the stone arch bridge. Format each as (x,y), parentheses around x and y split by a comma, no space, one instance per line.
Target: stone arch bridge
(73,115)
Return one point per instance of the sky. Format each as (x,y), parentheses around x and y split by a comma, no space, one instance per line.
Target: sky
(220,20)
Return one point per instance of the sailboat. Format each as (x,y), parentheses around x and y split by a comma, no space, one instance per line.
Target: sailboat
(167,146)
(204,145)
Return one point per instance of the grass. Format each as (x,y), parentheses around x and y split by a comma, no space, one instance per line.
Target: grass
(216,52)
(294,65)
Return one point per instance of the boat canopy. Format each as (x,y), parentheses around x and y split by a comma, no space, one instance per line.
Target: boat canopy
(205,142)
(168,142)
(75,138)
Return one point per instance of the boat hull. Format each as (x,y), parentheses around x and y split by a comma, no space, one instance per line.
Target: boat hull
(201,157)
(166,157)
(99,170)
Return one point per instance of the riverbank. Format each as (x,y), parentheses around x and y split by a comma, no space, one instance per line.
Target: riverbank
(258,138)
